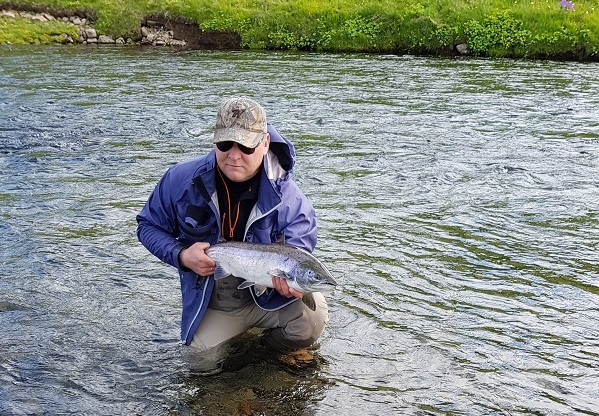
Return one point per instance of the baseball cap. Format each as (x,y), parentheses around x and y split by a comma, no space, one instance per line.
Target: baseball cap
(241,120)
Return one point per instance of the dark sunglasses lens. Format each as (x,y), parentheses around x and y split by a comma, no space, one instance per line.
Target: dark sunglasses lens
(224,146)
(246,150)
(228,145)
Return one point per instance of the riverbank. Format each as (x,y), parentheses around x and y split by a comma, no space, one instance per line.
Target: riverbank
(69,27)
(543,29)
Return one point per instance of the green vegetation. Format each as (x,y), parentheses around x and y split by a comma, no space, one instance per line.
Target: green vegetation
(25,31)
(494,28)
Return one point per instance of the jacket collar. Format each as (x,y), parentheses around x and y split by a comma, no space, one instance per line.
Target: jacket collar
(203,178)
(269,193)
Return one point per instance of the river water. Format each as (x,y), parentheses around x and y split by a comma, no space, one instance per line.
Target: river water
(458,205)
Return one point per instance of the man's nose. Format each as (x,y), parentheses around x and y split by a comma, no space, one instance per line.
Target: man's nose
(235,152)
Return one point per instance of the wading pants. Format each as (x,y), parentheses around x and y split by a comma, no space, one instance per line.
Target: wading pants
(292,327)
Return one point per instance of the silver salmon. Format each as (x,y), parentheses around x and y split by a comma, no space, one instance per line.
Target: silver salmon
(257,263)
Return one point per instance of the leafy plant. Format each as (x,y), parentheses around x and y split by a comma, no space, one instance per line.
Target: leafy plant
(498,34)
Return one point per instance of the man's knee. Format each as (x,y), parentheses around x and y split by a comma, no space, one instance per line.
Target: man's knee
(216,328)
(300,326)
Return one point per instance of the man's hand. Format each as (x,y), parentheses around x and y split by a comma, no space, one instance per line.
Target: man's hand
(196,259)
(281,286)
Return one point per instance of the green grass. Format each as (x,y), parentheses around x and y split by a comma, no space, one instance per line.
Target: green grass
(494,28)
(18,31)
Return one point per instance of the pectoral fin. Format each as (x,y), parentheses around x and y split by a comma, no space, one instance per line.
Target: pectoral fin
(258,289)
(245,284)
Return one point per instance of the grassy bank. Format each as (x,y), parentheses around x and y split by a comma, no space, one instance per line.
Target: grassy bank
(494,28)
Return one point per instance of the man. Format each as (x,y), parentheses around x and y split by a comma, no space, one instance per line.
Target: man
(243,191)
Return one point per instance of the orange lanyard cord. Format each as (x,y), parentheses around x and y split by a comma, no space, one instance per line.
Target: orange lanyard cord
(234,224)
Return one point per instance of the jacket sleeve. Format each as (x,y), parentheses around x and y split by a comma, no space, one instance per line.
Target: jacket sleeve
(157,227)
(300,219)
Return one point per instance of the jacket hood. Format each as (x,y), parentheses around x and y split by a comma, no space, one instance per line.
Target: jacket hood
(282,148)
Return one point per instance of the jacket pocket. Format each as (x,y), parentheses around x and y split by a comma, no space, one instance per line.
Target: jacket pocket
(191,280)
(197,224)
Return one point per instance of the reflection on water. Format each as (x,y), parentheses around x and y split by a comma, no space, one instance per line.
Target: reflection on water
(456,198)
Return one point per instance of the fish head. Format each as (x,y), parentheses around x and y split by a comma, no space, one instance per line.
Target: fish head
(314,279)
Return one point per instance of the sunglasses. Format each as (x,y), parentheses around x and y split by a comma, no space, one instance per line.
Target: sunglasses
(228,145)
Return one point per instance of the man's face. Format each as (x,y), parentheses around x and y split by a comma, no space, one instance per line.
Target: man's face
(238,166)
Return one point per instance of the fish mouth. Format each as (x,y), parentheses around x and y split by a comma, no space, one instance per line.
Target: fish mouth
(325,286)
(330,282)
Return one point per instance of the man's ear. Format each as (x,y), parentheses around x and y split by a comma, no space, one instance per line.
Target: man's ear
(266,143)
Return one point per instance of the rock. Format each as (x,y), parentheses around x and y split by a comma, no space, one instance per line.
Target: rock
(104,39)
(64,38)
(7,13)
(76,21)
(299,359)
(90,33)
(120,41)
(38,18)
(462,49)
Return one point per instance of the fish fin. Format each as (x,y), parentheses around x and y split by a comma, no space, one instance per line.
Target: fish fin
(278,273)
(220,272)
(259,290)
(245,284)
(309,301)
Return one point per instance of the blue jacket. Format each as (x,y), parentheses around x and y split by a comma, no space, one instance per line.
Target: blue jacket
(183,209)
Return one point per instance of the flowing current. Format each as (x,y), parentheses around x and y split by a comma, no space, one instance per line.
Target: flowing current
(458,207)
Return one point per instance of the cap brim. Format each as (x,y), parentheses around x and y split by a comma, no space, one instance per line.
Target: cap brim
(241,136)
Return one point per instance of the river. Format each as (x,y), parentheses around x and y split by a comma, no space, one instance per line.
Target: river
(458,206)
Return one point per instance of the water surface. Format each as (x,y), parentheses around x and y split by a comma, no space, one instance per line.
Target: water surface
(457,203)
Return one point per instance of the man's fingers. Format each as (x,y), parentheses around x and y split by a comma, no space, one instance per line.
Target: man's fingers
(276,283)
(281,286)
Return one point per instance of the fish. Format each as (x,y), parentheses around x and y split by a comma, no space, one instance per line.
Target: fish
(257,263)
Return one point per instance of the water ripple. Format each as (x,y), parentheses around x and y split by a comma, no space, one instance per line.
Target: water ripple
(457,203)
